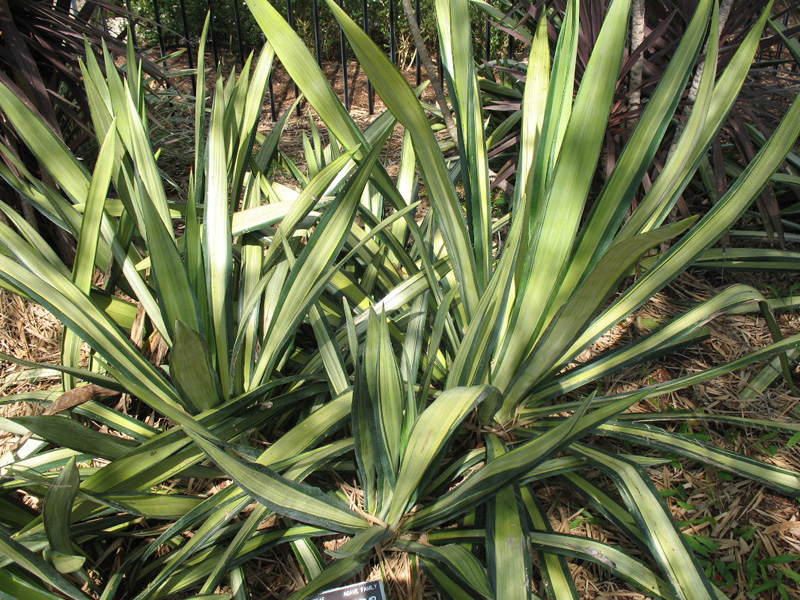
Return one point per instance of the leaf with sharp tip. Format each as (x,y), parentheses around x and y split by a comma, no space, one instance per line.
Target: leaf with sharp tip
(484,483)
(217,243)
(402,102)
(784,480)
(456,559)
(558,214)
(609,557)
(304,284)
(556,577)
(88,240)
(385,394)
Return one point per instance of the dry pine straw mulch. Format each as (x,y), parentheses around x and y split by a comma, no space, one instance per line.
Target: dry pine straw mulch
(723,510)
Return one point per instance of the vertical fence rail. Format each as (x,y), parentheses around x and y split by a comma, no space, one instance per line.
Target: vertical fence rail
(343,58)
(189,58)
(365,27)
(131,23)
(317,51)
(290,20)
(159,29)
(213,32)
(418,60)
(238,22)
(392,33)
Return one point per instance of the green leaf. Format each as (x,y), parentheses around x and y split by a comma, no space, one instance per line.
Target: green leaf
(557,215)
(506,543)
(455,559)
(295,500)
(71,434)
(667,545)
(15,587)
(217,243)
(784,480)
(88,240)
(384,395)
(191,369)
(24,558)
(483,484)
(556,576)
(402,102)
(56,515)
(429,438)
(610,557)
(48,148)
(453,21)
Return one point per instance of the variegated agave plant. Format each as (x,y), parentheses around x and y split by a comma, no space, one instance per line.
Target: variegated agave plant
(412,358)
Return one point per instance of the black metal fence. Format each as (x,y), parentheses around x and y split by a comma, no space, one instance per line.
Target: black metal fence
(157,31)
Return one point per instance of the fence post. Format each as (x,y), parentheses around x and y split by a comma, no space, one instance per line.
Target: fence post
(189,58)
(392,41)
(317,51)
(238,21)
(365,27)
(343,53)
(213,33)
(290,20)
(488,40)
(131,24)
(159,29)
(418,61)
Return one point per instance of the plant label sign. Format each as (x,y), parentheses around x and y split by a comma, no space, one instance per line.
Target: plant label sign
(366,590)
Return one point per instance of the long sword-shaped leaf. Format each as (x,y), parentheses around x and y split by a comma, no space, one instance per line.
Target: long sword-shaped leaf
(557,217)
(608,556)
(191,369)
(455,559)
(88,240)
(429,438)
(506,546)
(714,101)
(56,516)
(666,542)
(16,587)
(556,577)
(333,574)
(62,298)
(494,476)
(385,393)
(609,208)
(779,478)
(455,36)
(295,500)
(578,312)
(402,102)
(301,288)
(49,150)
(217,244)
(709,229)
(305,71)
